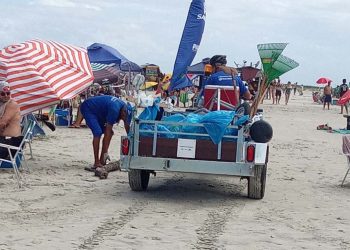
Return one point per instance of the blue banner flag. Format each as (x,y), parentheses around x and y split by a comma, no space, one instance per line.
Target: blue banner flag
(189,44)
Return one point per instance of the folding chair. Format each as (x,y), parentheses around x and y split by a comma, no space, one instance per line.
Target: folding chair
(62,117)
(16,154)
(346,152)
(28,121)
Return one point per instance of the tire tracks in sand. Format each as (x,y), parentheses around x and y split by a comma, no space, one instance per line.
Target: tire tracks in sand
(111,227)
(214,225)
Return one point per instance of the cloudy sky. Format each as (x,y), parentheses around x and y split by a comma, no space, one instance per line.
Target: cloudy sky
(149,31)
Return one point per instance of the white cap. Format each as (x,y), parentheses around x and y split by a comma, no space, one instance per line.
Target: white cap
(4,86)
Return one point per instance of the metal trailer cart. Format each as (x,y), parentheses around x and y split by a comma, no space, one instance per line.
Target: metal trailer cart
(147,151)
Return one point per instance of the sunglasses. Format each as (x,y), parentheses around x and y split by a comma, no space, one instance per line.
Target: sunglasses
(5,93)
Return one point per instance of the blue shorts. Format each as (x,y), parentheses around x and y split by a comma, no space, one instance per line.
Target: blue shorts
(92,121)
(328,98)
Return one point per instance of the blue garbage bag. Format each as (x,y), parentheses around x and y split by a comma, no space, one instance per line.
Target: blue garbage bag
(242,120)
(216,122)
(150,113)
(162,128)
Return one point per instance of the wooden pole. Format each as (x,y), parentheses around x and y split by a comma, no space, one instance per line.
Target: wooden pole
(261,94)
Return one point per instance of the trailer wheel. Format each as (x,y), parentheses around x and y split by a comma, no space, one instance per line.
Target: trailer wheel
(256,183)
(241,110)
(138,179)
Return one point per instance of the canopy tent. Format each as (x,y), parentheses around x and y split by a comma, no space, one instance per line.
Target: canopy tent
(248,73)
(198,68)
(102,53)
(106,74)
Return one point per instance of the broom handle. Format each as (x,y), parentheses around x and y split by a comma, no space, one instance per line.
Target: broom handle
(261,94)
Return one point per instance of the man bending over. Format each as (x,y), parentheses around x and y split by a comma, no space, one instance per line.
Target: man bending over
(100,113)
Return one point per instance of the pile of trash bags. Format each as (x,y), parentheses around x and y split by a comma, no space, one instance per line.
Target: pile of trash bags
(215,124)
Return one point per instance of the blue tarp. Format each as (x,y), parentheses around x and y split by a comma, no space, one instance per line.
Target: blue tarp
(102,53)
(215,125)
(189,44)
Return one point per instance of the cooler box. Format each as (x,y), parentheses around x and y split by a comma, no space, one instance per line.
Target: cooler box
(62,117)
(227,95)
(4,164)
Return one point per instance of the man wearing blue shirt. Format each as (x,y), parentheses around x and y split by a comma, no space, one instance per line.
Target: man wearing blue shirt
(100,113)
(220,78)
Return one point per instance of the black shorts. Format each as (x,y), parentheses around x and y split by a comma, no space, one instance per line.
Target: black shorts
(13,141)
(278,92)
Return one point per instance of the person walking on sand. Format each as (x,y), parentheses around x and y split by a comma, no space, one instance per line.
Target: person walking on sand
(278,91)
(273,91)
(288,91)
(295,86)
(343,89)
(327,92)
(100,113)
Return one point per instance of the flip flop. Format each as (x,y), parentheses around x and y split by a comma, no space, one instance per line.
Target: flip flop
(74,126)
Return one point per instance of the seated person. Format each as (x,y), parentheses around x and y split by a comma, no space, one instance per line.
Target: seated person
(226,76)
(10,120)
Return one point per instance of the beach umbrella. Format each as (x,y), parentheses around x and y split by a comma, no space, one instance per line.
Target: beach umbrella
(41,73)
(345,98)
(106,73)
(323,80)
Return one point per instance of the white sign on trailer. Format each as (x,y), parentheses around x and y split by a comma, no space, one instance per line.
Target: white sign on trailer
(186,148)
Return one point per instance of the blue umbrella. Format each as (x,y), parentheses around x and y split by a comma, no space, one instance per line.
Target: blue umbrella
(102,53)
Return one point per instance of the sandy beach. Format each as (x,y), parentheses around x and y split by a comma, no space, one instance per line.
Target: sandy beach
(64,207)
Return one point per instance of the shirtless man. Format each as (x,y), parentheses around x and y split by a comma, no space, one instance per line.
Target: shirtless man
(327,91)
(10,120)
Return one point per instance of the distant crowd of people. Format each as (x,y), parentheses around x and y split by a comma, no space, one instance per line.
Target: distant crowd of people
(276,89)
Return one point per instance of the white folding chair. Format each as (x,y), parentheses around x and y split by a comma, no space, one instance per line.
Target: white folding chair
(16,154)
(346,152)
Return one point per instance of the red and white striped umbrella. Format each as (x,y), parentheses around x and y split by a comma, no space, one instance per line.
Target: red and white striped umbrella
(41,73)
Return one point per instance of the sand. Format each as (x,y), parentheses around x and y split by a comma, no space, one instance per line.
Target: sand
(64,207)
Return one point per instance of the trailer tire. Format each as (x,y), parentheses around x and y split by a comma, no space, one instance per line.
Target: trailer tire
(138,179)
(256,183)
(242,110)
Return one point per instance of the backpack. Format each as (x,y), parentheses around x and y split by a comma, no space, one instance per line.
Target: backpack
(344,87)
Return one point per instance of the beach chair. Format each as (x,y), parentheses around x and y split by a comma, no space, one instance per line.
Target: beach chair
(62,117)
(346,152)
(16,154)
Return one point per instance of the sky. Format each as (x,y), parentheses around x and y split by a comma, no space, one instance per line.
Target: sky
(317,31)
